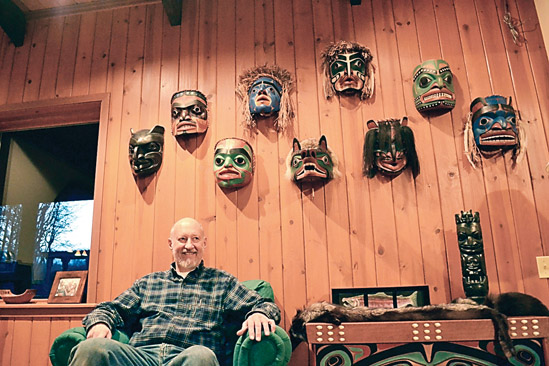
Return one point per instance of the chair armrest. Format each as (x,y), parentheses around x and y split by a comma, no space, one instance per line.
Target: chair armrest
(272,350)
(62,345)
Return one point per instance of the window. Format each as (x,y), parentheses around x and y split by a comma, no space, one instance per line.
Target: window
(47,178)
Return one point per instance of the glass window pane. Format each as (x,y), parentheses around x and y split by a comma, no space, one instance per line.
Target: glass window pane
(46,189)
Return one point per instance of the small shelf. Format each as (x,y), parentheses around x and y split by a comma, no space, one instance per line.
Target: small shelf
(41,309)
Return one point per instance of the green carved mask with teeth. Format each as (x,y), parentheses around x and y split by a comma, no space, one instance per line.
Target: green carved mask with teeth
(233,163)
(433,86)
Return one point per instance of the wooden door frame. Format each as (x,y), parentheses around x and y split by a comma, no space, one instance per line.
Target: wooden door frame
(63,112)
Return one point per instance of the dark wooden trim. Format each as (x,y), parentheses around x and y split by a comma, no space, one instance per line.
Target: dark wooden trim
(173,11)
(67,114)
(13,22)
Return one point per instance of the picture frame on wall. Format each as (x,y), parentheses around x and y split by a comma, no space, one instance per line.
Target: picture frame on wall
(382,297)
(68,287)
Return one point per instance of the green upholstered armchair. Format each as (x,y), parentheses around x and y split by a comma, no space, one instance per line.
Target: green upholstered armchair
(274,350)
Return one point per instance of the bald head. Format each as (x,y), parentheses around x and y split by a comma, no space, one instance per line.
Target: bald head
(186,221)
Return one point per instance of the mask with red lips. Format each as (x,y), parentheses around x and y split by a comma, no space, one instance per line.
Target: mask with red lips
(189,113)
(311,161)
(494,124)
(233,163)
(433,86)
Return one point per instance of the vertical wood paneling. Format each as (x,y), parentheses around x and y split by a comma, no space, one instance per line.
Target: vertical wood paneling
(520,188)
(67,57)
(40,342)
(385,235)
(293,266)
(186,191)
(86,34)
(538,117)
(360,192)
(522,206)
(206,60)
(412,255)
(460,185)
(27,341)
(127,189)
(36,60)
(150,96)
(352,231)
(18,71)
(188,79)
(335,192)
(429,199)
(497,198)
(101,49)
(51,58)
(269,258)
(22,332)
(164,200)
(314,221)
(6,341)
(109,219)
(5,70)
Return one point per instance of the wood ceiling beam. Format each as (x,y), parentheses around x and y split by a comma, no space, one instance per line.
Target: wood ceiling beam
(13,22)
(173,11)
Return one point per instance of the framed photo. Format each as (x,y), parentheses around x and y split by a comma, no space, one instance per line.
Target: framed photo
(382,297)
(68,287)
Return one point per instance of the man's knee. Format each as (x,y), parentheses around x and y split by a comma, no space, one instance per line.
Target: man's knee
(196,355)
(92,349)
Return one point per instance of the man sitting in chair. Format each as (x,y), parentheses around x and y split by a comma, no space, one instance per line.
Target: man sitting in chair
(180,313)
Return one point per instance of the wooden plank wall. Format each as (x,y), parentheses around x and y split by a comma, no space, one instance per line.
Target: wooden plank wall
(26,340)
(353,232)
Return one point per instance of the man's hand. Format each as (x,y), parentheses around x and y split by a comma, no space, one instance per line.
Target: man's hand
(253,325)
(99,330)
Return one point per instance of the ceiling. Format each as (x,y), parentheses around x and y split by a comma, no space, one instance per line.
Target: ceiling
(45,8)
(14,14)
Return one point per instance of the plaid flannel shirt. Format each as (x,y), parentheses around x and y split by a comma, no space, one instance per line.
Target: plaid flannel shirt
(182,312)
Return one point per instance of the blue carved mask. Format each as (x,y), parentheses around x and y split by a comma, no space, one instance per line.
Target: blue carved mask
(265,97)
(494,123)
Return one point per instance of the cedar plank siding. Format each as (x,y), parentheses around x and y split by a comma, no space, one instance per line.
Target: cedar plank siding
(351,232)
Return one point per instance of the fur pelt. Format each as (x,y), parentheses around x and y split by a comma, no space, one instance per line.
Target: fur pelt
(516,304)
(324,312)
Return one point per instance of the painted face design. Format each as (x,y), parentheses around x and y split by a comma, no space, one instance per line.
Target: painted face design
(437,354)
(348,72)
(233,163)
(433,86)
(494,124)
(389,148)
(473,267)
(311,163)
(145,151)
(264,96)
(189,113)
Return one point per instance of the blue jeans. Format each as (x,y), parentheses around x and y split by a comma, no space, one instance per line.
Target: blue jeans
(102,352)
